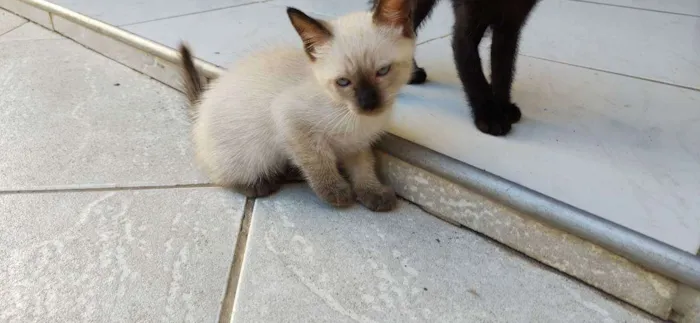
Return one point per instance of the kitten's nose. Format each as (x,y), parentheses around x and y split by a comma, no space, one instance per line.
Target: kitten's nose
(367,98)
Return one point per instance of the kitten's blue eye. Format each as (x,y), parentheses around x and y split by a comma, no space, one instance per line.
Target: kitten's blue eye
(384,70)
(342,82)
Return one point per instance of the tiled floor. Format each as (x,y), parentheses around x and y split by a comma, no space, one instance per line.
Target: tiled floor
(609,89)
(105,219)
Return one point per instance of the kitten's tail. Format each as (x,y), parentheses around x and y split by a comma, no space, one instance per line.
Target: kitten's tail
(190,76)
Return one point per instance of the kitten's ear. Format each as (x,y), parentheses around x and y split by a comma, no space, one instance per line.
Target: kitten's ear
(312,32)
(395,13)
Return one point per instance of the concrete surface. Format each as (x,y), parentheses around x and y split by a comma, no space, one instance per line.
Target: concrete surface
(80,254)
(405,266)
(632,138)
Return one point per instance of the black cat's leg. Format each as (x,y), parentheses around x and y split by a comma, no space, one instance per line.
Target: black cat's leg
(421,12)
(468,31)
(504,48)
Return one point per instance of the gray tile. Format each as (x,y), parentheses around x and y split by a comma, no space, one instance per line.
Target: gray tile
(686,7)
(621,148)
(645,44)
(9,21)
(128,55)
(27,11)
(29,31)
(134,11)
(73,118)
(306,262)
(127,256)
(579,258)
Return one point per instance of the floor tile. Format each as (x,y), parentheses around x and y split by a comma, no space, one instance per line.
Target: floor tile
(222,36)
(29,31)
(305,262)
(134,11)
(73,118)
(9,21)
(645,44)
(624,149)
(127,256)
(686,7)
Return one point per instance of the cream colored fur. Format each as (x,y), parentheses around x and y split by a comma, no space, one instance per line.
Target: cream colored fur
(279,105)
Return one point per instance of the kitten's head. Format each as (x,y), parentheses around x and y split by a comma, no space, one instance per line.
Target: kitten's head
(362,59)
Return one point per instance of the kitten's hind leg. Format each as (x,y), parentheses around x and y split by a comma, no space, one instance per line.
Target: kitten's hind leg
(369,190)
(261,188)
(421,12)
(504,48)
(468,31)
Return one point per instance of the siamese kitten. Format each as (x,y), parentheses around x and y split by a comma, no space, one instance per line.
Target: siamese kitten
(493,111)
(313,110)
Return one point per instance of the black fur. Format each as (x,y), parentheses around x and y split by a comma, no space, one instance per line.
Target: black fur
(491,104)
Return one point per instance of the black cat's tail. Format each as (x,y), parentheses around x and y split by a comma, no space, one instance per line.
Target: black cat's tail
(190,76)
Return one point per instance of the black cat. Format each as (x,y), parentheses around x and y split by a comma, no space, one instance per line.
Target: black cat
(491,105)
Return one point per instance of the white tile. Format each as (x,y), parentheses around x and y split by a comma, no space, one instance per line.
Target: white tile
(32,13)
(29,31)
(306,262)
(128,256)
(73,118)
(624,149)
(686,7)
(646,44)
(135,11)
(222,36)
(9,21)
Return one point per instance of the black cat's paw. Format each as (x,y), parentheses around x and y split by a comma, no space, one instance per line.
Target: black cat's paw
(418,76)
(513,113)
(493,122)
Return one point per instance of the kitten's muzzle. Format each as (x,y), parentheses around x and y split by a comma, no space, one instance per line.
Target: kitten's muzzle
(368,99)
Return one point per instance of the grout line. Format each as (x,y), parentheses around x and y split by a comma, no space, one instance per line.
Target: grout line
(614,73)
(432,39)
(15,28)
(637,8)
(192,13)
(226,313)
(103,189)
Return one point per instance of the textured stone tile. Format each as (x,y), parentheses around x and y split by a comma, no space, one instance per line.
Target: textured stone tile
(24,10)
(625,149)
(127,256)
(73,118)
(9,21)
(570,254)
(133,11)
(135,58)
(29,31)
(306,262)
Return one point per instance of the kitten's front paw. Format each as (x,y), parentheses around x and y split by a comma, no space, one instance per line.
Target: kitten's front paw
(513,113)
(496,121)
(378,200)
(338,195)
